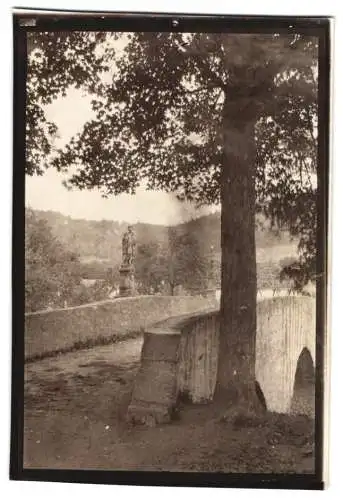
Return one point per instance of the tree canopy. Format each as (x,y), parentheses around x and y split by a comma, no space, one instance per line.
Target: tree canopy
(159,117)
(56,62)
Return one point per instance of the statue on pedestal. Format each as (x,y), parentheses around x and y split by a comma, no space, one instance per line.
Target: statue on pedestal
(128,247)
(126,271)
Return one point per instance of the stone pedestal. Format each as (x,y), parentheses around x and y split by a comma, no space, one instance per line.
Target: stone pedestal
(127,281)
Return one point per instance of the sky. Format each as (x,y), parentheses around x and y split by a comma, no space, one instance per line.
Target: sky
(47,192)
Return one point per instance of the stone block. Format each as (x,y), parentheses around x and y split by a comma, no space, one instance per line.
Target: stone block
(156,383)
(160,347)
(149,414)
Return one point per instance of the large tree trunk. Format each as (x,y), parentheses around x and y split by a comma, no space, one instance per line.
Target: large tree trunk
(236,368)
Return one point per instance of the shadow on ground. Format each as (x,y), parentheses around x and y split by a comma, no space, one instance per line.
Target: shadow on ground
(75,409)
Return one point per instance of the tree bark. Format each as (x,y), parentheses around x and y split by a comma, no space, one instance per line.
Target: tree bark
(236,366)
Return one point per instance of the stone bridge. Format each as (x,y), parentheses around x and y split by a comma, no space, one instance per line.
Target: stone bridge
(180,355)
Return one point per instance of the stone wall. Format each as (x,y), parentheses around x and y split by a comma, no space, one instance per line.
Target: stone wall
(176,359)
(52,331)
(198,355)
(188,348)
(285,326)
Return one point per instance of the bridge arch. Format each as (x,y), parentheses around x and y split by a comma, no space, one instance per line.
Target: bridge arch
(305,369)
(285,326)
(303,397)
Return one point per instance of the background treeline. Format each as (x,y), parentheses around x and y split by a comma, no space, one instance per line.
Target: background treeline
(71,262)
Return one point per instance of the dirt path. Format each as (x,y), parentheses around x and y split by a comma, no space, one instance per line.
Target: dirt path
(75,408)
(85,361)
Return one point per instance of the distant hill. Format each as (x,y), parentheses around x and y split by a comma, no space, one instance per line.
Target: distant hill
(101,240)
(98,240)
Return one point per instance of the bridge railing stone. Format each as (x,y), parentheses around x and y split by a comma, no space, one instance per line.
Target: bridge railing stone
(285,325)
(178,358)
(180,355)
(52,331)
(198,356)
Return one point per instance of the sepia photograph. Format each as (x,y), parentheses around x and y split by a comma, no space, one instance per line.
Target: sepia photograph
(170,282)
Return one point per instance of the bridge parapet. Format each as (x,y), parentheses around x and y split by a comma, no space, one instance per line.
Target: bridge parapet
(180,354)
(285,325)
(48,332)
(173,361)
